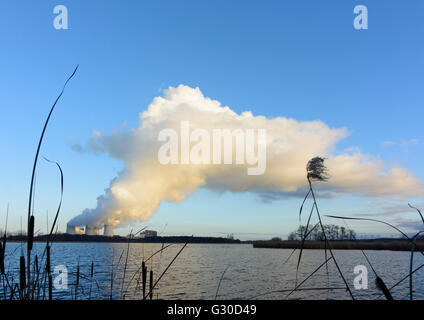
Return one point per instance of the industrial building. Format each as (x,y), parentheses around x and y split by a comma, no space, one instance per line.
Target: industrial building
(108,230)
(90,230)
(148,234)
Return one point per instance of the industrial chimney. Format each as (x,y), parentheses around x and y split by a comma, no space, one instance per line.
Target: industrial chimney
(91,231)
(70,229)
(108,230)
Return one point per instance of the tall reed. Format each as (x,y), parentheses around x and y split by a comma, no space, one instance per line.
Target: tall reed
(22,281)
(91,279)
(30,200)
(143,277)
(151,284)
(317,171)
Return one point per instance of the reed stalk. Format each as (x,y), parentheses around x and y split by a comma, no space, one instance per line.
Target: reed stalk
(220,280)
(151,284)
(166,269)
(77,281)
(91,279)
(22,271)
(2,259)
(143,278)
(383,288)
(50,287)
(30,200)
(317,171)
(48,267)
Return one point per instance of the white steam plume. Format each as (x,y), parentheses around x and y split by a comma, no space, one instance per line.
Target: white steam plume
(144,183)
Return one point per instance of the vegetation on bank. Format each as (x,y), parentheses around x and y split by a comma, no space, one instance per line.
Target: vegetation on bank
(64,237)
(332,231)
(374,244)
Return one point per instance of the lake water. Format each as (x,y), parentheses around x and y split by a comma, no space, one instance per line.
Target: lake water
(196,273)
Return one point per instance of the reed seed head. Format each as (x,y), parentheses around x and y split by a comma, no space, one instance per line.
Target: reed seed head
(316,170)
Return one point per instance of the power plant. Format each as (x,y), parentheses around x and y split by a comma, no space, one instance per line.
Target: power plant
(90,230)
(70,229)
(108,230)
(74,229)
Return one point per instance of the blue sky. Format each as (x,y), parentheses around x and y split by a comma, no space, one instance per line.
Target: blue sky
(299,59)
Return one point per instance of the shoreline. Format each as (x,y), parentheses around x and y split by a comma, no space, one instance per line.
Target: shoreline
(374,244)
(64,238)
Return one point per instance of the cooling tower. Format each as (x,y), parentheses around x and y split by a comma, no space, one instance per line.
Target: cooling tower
(108,230)
(71,229)
(91,231)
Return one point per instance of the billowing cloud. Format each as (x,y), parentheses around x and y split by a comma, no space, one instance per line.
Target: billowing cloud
(144,183)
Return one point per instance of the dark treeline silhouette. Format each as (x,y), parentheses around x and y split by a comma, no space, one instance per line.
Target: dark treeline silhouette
(64,237)
(332,231)
(363,244)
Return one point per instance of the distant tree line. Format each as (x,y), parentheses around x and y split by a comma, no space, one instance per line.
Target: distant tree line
(332,231)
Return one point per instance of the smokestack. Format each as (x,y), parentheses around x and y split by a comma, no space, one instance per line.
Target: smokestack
(70,229)
(108,230)
(91,231)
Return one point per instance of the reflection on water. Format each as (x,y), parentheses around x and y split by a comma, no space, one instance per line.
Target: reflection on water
(196,273)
